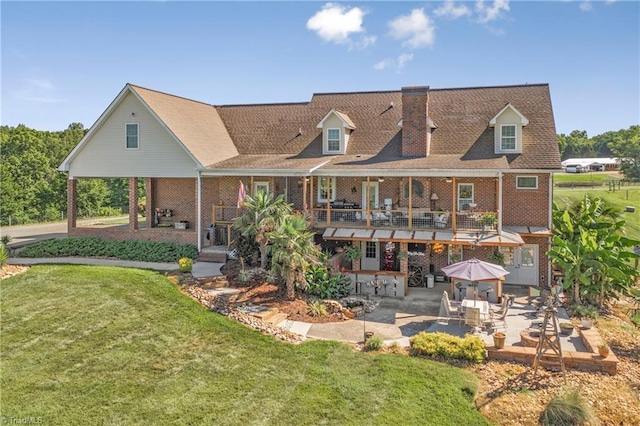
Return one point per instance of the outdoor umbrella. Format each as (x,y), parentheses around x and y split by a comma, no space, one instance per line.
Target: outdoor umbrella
(475,270)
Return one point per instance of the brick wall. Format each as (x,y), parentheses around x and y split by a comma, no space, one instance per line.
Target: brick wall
(178,195)
(525,206)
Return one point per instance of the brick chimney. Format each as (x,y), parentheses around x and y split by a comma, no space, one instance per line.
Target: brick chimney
(415,131)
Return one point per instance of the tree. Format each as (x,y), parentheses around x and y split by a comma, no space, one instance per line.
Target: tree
(261,214)
(625,145)
(293,251)
(589,245)
(576,144)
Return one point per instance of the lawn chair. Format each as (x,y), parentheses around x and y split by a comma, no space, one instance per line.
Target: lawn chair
(474,320)
(451,312)
(500,309)
(499,320)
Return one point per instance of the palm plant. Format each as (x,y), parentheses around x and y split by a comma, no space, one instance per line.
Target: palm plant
(262,213)
(293,251)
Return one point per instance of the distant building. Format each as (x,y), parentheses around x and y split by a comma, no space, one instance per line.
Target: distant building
(582,165)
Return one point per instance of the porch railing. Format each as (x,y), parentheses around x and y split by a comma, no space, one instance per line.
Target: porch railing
(403,218)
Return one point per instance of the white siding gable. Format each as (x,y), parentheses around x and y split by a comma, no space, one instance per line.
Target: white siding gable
(158,155)
(334,122)
(508,117)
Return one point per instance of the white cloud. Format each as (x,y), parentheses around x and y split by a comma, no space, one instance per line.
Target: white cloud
(337,24)
(385,63)
(586,6)
(403,59)
(417,28)
(398,63)
(490,13)
(450,10)
(37,90)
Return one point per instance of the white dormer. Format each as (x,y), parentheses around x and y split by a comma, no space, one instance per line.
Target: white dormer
(508,124)
(336,129)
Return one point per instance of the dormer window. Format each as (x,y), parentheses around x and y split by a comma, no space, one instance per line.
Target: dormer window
(508,125)
(336,128)
(333,140)
(508,137)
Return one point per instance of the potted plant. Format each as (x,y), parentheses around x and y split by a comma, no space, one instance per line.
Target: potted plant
(586,313)
(488,220)
(402,255)
(498,339)
(496,257)
(352,253)
(566,328)
(603,350)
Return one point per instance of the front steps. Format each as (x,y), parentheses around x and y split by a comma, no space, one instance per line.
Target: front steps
(269,315)
(215,254)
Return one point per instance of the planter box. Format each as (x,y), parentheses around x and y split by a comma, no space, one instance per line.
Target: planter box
(181,225)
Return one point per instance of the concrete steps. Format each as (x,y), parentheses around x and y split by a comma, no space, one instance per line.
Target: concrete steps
(215,257)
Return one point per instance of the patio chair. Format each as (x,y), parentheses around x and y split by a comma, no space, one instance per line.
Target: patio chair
(500,309)
(452,313)
(473,319)
(442,220)
(499,321)
(454,305)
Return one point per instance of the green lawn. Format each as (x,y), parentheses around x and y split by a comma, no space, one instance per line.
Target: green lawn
(586,177)
(626,196)
(100,345)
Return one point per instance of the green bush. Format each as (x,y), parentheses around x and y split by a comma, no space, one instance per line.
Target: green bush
(4,255)
(325,282)
(374,343)
(441,344)
(317,308)
(567,409)
(140,250)
(185,264)
(243,275)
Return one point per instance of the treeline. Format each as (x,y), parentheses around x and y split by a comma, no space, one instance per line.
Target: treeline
(33,190)
(624,144)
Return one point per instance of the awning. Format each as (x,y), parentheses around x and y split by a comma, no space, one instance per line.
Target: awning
(529,231)
(507,238)
(377,235)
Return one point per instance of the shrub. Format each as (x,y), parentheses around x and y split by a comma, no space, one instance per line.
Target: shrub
(374,343)
(186,264)
(567,409)
(327,283)
(140,250)
(243,275)
(6,239)
(4,255)
(317,308)
(273,276)
(441,344)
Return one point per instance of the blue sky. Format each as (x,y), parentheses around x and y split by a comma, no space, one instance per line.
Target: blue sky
(64,62)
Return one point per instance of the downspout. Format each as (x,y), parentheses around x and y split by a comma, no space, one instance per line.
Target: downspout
(500,202)
(550,239)
(199,210)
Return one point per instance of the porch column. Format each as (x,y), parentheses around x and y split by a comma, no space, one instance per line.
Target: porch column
(72,204)
(149,203)
(499,204)
(404,263)
(455,202)
(133,204)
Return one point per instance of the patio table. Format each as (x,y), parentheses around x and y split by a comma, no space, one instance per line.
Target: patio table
(482,304)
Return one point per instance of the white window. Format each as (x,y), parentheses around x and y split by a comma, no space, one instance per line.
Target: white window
(508,137)
(527,182)
(465,195)
(326,189)
(132,135)
(260,187)
(333,140)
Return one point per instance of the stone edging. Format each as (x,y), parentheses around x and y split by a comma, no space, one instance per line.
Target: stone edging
(221,303)
(589,361)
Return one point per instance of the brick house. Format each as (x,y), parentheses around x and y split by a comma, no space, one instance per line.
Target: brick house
(418,171)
